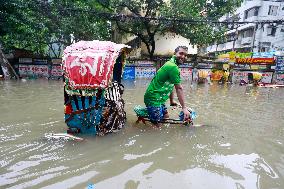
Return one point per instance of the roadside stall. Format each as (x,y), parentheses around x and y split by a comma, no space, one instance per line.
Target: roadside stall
(243,67)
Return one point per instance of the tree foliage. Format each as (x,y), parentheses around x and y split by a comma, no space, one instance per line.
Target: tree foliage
(183,15)
(201,33)
(36,25)
(145,29)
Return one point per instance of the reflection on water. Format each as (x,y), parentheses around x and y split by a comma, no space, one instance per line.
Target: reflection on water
(239,146)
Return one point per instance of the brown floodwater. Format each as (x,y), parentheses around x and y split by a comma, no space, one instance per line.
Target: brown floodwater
(238,141)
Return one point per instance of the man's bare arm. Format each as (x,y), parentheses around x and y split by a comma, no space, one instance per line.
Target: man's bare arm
(172,102)
(180,95)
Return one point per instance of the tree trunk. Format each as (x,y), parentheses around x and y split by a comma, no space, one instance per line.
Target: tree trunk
(153,46)
(4,63)
(151,54)
(150,47)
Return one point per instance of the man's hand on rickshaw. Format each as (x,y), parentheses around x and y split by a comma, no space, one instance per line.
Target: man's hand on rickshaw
(186,114)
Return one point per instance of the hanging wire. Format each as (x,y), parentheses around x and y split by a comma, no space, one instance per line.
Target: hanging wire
(124,17)
(134,18)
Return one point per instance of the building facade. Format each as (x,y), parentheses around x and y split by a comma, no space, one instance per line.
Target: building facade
(252,37)
(165,44)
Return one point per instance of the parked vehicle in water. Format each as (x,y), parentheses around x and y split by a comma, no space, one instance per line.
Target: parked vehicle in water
(92,87)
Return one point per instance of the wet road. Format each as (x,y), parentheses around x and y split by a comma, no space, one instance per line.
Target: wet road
(241,144)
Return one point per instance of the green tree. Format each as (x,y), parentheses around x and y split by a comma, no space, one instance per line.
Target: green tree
(37,24)
(183,15)
(6,9)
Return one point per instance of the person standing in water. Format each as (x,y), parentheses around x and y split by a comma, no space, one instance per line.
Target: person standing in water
(161,88)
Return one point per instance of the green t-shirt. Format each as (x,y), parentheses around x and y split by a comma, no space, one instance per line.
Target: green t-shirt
(162,84)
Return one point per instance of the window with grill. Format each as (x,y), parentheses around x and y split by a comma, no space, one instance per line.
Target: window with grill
(231,37)
(272,10)
(247,33)
(251,12)
(271,31)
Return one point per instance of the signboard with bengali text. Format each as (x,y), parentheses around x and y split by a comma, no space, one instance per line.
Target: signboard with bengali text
(255,60)
(186,73)
(56,71)
(145,72)
(279,64)
(129,73)
(33,70)
(40,70)
(279,79)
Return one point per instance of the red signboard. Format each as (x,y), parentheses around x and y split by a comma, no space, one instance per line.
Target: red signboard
(56,71)
(255,60)
(89,64)
(33,70)
(90,72)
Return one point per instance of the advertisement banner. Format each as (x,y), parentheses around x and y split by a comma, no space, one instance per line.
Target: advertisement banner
(279,64)
(279,79)
(89,71)
(232,56)
(204,65)
(186,73)
(40,61)
(255,60)
(263,54)
(25,60)
(129,73)
(145,72)
(56,61)
(33,70)
(223,58)
(145,63)
(56,71)
(40,70)
(267,77)
(24,70)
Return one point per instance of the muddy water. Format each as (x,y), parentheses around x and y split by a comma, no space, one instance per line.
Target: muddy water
(238,142)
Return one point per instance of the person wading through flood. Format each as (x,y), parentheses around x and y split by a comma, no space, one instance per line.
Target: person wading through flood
(161,88)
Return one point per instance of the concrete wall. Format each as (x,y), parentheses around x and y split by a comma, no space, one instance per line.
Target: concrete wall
(166,44)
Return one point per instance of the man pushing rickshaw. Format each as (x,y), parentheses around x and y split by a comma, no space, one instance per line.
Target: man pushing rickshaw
(161,89)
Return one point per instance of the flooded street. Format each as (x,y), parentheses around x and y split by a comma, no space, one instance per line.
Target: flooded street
(239,144)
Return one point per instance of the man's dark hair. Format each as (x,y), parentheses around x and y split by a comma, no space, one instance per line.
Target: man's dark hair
(181,47)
